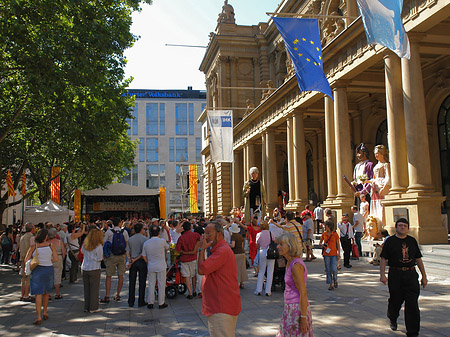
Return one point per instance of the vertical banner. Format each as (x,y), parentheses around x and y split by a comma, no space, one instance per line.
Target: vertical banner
(193,195)
(221,135)
(162,202)
(55,184)
(9,182)
(77,205)
(24,184)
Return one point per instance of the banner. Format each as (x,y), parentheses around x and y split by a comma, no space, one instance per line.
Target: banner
(77,205)
(55,184)
(221,135)
(162,202)
(383,24)
(302,40)
(24,183)
(9,182)
(193,193)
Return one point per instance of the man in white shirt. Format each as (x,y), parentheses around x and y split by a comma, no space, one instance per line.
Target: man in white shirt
(318,216)
(358,227)
(154,253)
(346,236)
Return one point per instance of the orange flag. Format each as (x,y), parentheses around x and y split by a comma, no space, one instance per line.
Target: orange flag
(162,202)
(77,205)
(55,185)
(9,182)
(24,183)
(193,195)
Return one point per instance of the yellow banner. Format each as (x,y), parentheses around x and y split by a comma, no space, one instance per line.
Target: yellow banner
(193,195)
(162,202)
(77,205)
(55,185)
(9,182)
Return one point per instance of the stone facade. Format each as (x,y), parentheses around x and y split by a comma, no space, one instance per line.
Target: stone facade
(304,142)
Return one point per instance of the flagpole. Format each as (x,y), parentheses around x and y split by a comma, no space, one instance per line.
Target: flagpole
(300,15)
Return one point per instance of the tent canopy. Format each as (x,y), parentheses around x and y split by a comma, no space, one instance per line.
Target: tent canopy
(50,211)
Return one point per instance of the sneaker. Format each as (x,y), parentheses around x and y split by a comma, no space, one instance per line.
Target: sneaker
(189,297)
(149,306)
(162,306)
(393,325)
(257,293)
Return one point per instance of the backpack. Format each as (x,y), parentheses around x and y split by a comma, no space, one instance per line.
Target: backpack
(118,243)
(107,249)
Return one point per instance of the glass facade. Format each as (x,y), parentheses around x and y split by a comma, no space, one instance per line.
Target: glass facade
(152,119)
(198,150)
(141,149)
(171,149)
(181,119)
(182,149)
(152,176)
(134,175)
(162,119)
(191,119)
(152,149)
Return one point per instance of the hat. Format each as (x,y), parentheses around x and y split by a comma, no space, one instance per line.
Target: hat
(234,228)
(155,219)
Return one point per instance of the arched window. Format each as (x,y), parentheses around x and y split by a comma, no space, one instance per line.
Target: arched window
(444,149)
(382,133)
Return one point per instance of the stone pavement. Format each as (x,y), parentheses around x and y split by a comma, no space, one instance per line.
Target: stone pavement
(356,308)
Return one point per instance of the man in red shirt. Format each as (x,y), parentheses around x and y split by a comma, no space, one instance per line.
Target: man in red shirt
(221,298)
(187,246)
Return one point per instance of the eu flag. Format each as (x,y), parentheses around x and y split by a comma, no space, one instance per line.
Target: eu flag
(302,40)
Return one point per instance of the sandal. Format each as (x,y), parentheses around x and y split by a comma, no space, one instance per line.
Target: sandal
(58,297)
(116,298)
(104,300)
(331,287)
(335,284)
(45,316)
(37,322)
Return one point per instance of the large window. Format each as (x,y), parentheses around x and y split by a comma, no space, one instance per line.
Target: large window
(182,149)
(171,149)
(191,119)
(198,150)
(382,134)
(141,149)
(162,119)
(181,119)
(178,175)
(152,149)
(126,179)
(152,119)
(152,176)
(134,176)
(162,175)
(133,122)
(444,151)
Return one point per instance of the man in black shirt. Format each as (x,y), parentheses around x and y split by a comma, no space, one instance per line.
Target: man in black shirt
(402,253)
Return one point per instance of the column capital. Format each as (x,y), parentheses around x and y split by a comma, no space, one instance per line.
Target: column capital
(340,84)
(416,36)
(389,54)
(299,111)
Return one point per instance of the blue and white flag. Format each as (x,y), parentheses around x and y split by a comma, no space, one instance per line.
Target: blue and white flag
(221,135)
(302,40)
(383,24)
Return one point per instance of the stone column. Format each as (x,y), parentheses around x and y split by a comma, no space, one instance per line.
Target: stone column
(251,157)
(315,163)
(416,122)
(300,172)
(396,123)
(343,144)
(322,178)
(290,153)
(263,168)
(237,179)
(271,167)
(330,149)
(244,163)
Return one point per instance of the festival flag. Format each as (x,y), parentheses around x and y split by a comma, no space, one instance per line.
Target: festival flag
(383,25)
(302,40)
(162,202)
(221,135)
(77,205)
(9,182)
(193,194)
(24,183)
(55,184)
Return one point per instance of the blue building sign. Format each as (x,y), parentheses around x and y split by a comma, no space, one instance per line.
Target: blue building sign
(140,93)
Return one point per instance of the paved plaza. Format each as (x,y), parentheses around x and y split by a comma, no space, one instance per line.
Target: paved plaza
(356,308)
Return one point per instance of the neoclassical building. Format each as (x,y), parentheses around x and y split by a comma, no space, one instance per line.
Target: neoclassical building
(304,142)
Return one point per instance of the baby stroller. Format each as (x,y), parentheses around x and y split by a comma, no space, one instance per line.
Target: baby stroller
(175,283)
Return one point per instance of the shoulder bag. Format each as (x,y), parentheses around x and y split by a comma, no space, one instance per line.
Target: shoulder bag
(272,251)
(35,260)
(301,238)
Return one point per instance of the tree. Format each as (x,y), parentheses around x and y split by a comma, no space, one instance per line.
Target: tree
(61,91)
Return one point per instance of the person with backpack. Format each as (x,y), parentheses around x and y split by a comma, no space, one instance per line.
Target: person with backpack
(118,237)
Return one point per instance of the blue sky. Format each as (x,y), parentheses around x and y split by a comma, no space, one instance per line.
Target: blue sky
(155,66)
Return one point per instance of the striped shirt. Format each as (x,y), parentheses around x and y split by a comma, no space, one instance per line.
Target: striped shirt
(290,227)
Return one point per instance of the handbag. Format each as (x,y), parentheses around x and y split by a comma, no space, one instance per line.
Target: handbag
(272,251)
(355,253)
(34,261)
(326,244)
(80,256)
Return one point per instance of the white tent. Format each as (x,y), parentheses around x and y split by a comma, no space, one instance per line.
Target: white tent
(48,212)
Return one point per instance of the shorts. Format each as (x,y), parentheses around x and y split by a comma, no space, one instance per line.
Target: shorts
(189,269)
(113,263)
(309,243)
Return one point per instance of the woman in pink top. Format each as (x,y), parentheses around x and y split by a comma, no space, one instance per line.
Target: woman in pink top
(296,319)
(262,243)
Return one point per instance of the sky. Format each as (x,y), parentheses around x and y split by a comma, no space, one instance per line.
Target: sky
(188,22)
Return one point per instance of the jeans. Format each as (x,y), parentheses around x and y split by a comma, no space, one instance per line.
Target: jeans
(140,267)
(330,268)
(358,236)
(264,264)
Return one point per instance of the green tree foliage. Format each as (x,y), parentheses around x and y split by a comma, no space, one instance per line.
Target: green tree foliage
(61,91)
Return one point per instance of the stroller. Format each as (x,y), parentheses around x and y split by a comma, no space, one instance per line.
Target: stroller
(175,283)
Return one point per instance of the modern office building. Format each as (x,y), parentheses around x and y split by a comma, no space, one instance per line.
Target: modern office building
(165,125)
(304,142)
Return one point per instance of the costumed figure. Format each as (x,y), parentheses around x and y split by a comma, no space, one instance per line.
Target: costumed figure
(372,231)
(254,196)
(381,183)
(362,172)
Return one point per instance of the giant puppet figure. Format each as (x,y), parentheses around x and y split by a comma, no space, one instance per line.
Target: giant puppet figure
(363,171)
(254,196)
